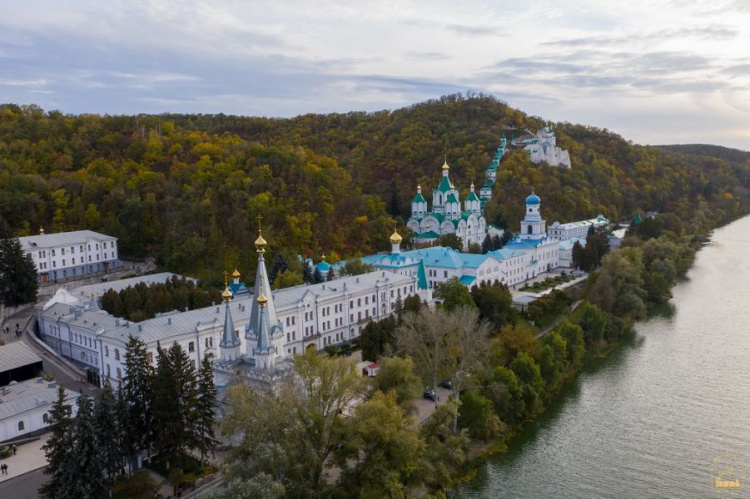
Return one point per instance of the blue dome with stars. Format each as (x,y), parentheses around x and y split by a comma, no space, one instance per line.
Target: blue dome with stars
(533,199)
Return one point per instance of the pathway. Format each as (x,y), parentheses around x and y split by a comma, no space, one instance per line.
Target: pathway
(29,457)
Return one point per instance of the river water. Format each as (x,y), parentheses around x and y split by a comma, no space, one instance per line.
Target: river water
(663,415)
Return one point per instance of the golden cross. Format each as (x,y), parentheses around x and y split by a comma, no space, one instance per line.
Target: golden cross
(260,218)
(226,274)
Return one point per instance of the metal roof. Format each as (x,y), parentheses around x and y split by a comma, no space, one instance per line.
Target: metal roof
(73,238)
(100,288)
(16,354)
(18,398)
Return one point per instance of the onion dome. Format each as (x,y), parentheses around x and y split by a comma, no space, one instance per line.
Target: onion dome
(227,295)
(262,300)
(533,199)
(445,165)
(236,273)
(260,243)
(396,238)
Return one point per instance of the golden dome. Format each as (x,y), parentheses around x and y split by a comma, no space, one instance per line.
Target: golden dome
(236,273)
(396,238)
(227,295)
(41,231)
(260,243)
(472,186)
(262,300)
(445,165)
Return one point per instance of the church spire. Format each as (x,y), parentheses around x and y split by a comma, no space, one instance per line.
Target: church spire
(229,341)
(264,325)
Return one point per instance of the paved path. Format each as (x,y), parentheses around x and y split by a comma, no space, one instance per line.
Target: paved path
(29,457)
(557,321)
(23,487)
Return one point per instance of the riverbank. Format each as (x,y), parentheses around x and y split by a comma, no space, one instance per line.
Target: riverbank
(660,403)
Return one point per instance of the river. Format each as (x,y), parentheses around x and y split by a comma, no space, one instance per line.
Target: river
(663,415)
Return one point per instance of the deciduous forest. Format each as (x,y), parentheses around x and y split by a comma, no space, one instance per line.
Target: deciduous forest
(188,188)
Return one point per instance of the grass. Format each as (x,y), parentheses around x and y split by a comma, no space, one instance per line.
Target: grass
(548,283)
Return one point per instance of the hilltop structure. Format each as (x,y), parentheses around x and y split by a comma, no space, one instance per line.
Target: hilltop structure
(542,147)
(447,215)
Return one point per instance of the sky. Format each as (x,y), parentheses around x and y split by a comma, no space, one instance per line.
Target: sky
(653,71)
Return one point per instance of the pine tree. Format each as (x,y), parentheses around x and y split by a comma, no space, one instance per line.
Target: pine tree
(318,276)
(18,277)
(279,263)
(307,275)
(331,275)
(137,392)
(175,393)
(108,436)
(205,408)
(82,470)
(487,244)
(58,445)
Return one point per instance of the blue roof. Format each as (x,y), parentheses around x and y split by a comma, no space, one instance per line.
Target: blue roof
(505,253)
(238,289)
(323,267)
(467,280)
(533,199)
(522,244)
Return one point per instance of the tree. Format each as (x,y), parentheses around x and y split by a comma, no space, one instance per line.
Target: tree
(318,276)
(356,266)
(175,394)
(397,374)
(450,240)
(205,408)
(507,395)
(618,288)
(18,277)
(381,451)
(574,342)
(82,470)
(278,264)
(108,433)
(444,449)
(287,279)
(476,415)
(139,485)
(530,379)
(378,338)
(57,446)
(453,295)
(578,256)
(593,322)
(290,433)
(307,274)
(495,303)
(137,395)
(331,275)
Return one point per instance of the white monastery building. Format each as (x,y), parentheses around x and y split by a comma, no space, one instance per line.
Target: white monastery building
(70,254)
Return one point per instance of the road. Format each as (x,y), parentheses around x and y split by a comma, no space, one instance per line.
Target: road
(24,487)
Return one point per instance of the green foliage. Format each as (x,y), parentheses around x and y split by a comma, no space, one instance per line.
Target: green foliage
(58,446)
(573,336)
(495,303)
(139,485)
(82,470)
(356,266)
(378,338)
(381,451)
(18,277)
(287,279)
(548,307)
(137,395)
(444,448)
(205,409)
(397,374)
(593,322)
(618,288)
(174,399)
(453,294)
(109,434)
(142,301)
(450,240)
(476,415)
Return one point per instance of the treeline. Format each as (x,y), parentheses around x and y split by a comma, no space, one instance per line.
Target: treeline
(188,188)
(165,411)
(144,301)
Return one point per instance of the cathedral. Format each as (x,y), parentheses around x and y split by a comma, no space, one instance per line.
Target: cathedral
(447,215)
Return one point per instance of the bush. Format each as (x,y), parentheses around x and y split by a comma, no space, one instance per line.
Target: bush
(139,485)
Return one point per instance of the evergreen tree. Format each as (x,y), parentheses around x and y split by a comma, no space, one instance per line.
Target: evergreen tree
(136,396)
(278,264)
(487,244)
(58,445)
(318,276)
(175,393)
(307,275)
(331,275)
(83,471)
(108,436)
(18,277)
(205,408)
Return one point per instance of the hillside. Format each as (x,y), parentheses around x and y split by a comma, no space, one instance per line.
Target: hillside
(188,188)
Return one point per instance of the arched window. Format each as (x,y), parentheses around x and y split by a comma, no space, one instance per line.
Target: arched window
(45,418)
(20,426)
(530,230)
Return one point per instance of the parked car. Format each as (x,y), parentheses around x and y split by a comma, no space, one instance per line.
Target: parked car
(430,395)
(446,383)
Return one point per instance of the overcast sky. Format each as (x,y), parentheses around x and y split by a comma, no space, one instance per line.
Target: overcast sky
(655,72)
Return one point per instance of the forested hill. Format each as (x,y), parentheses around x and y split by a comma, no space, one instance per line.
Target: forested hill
(188,188)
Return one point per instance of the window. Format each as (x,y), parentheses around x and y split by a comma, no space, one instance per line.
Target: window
(119,373)
(53,252)
(72,250)
(191,346)
(20,426)
(106,351)
(62,251)
(117,354)
(108,372)
(45,418)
